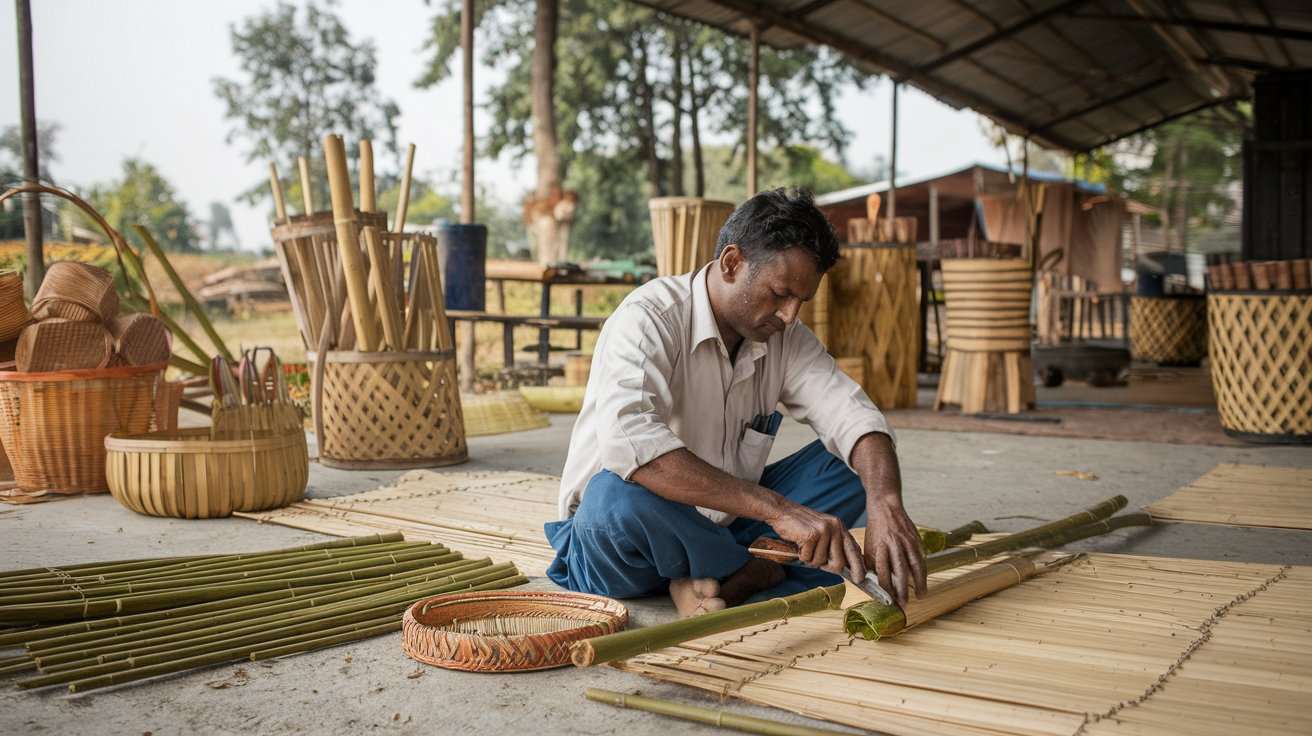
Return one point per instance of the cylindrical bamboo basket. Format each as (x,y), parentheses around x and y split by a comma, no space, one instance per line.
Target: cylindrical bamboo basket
(685,231)
(13,310)
(577,368)
(58,344)
(389,410)
(76,291)
(188,474)
(140,339)
(1260,349)
(54,424)
(876,315)
(1168,330)
(815,313)
(987,366)
(510,631)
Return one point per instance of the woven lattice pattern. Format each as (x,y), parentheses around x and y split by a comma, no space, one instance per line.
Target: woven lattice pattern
(13,310)
(506,631)
(1261,358)
(876,316)
(1168,331)
(69,285)
(403,412)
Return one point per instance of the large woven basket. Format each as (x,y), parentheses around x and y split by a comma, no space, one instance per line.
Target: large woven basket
(1168,330)
(685,230)
(876,316)
(54,424)
(1260,347)
(388,410)
(505,631)
(13,310)
(987,366)
(190,474)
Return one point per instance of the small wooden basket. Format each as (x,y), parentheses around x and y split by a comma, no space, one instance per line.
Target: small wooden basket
(1168,330)
(58,344)
(505,631)
(189,474)
(388,410)
(13,310)
(1260,346)
(141,339)
(76,291)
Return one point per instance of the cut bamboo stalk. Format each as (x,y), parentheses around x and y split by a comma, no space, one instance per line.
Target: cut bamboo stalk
(192,305)
(366,168)
(348,246)
(379,275)
(307,192)
(625,644)
(403,200)
(279,204)
(964,532)
(932,540)
(708,716)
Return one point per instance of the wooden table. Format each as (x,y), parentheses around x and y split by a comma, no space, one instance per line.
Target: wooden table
(509,322)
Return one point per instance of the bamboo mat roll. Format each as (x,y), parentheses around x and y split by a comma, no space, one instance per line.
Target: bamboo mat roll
(496,513)
(499,413)
(1109,644)
(1243,495)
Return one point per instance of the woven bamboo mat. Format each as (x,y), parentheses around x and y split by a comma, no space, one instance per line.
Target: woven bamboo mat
(1243,495)
(1111,644)
(500,412)
(499,514)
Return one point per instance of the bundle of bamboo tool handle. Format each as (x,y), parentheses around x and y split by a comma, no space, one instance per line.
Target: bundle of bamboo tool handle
(362,290)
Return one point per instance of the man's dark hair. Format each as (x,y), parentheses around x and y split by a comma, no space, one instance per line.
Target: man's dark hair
(776,220)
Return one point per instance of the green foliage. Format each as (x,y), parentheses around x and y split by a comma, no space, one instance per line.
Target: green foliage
(143,196)
(304,77)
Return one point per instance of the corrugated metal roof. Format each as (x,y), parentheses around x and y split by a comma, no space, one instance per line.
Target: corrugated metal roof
(862,191)
(1073,74)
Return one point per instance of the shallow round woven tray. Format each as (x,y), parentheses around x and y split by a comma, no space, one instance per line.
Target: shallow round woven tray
(505,631)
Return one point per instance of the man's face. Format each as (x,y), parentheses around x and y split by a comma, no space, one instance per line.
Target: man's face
(765,297)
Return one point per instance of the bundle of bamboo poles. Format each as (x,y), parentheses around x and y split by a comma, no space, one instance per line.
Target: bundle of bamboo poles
(110,623)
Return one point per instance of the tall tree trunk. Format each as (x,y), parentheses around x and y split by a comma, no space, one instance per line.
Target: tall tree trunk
(647,135)
(694,109)
(677,34)
(544,226)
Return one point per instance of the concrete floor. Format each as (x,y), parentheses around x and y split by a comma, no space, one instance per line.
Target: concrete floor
(1008,482)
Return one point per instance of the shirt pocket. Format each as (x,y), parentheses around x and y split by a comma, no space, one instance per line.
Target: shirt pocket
(753,451)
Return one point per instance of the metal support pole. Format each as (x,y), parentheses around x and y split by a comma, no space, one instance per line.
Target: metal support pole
(892,164)
(467,55)
(753,81)
(36,263)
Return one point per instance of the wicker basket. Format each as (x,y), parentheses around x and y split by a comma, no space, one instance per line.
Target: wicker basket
(13,310)
(388,410)
(140,339)
(58,344)
(1168,330)
(189,474)
(499,413)
(1260,345)
(876,316)
(54,424)
(76,291)
(987,367)
(505,631)
(685,230)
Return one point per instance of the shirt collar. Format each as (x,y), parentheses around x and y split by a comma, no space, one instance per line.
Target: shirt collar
(704,326)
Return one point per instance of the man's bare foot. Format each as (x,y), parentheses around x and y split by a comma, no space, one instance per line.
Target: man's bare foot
(695,596)
(752,578)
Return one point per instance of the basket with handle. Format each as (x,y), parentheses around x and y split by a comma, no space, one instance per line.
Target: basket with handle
(76,291)
(54,424)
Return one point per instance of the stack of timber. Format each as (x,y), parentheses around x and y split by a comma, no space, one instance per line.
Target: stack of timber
(685,230)
(370,309)
(499,513)
(1242,495)
(987,367)
(101,624)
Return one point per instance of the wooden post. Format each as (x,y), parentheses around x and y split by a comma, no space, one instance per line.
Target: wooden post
(467,56)
(753,81)
(892,164)
(36,262)
(933,217)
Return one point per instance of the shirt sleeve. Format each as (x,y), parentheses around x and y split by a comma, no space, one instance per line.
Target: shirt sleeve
(815,392)
(634,401)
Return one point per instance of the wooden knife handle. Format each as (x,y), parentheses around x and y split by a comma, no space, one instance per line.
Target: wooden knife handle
(770,548)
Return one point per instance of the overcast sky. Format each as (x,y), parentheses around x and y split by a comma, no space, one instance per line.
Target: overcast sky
(133,79)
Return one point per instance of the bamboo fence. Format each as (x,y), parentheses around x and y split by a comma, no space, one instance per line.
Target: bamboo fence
(1107,644)
(1242,495)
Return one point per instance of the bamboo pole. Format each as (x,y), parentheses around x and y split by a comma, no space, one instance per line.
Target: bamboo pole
(964,532)
(279,204)
(708,716)
(625,644)
(932,540)
(403,200)
(339,184)
(307,193)
(192,305)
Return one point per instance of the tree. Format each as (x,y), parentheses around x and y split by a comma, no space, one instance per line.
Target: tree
(143,196)
(220,223)
(304,77)
(11,173)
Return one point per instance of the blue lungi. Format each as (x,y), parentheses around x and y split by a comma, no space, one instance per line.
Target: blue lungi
(625,541)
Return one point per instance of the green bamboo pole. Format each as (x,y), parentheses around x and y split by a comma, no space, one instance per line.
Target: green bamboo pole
(872,620)
(708,716)
(184,292)
(964,532)
(276,648)
(959,556)
(931,540)
(192,367)
(625,644)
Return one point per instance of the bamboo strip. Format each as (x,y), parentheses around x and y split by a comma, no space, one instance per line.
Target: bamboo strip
(1243,495)
(307,189)
(403,201)
(192,305)
(348,247)
(708,716)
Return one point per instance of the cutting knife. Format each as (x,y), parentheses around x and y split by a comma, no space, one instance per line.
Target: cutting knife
(768,548)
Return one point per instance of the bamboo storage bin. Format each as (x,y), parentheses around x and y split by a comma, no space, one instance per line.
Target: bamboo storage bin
(189,474)
(876,316)
(389,410)
(54,424)
(1168,330)
(1260,348)
(987,367)
(13,310)
(685,230)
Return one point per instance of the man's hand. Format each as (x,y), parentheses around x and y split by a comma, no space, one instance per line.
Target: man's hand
(893,550)
(822,540)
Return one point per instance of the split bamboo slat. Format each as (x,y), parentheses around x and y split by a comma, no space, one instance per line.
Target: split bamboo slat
(1261,362)
(815,314)
(1243,495)
(495,513)
(685,231)
(987,367)
(140,339)
(505,631)
(1104,645)
(499,412)
(876,316)
(57,344)
(76,291)
(14,314)
(708,716)
(1168,330)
